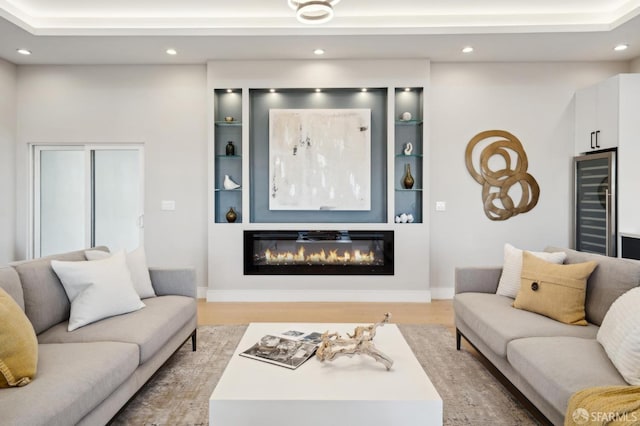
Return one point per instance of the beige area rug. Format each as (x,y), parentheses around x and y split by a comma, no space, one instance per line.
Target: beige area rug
(179,393)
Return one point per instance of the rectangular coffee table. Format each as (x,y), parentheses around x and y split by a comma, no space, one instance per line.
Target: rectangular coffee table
(347,391)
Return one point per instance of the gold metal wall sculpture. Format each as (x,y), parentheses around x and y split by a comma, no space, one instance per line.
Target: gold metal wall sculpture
(498,185)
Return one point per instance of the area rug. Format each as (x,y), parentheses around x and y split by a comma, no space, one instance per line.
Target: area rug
(179,393)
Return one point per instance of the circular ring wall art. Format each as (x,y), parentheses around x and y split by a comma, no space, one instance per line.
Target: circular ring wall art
(501,169)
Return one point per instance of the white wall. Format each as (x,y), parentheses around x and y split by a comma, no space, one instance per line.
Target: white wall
(163,107)
(166,108)
(635,65)
(8,79)
(534,101)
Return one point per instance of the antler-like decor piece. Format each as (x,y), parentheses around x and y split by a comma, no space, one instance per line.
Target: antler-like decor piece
(358,343)
(496,184)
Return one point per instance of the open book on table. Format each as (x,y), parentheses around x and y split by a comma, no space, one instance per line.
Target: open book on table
(289,349)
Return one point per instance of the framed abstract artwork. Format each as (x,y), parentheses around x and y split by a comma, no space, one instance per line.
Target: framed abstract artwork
(320,159)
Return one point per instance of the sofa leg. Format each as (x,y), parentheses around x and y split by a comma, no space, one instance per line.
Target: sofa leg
(458,339)
(193,340)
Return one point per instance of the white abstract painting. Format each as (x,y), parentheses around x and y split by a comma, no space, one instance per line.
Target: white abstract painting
(320,159)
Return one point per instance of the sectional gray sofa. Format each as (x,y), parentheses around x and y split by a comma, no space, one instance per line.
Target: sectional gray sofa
(546,360)
(86,376)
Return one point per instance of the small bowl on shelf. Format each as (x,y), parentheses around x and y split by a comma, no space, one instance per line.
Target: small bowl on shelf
(228,119)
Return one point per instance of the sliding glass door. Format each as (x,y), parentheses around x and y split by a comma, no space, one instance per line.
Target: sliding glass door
(87,195)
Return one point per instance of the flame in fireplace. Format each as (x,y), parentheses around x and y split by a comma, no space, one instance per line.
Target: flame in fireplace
(321,257)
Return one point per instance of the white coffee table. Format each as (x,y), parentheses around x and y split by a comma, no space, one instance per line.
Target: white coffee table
(347,391)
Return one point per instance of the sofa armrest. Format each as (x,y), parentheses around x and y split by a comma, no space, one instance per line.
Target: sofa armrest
(178,281)
(478,280)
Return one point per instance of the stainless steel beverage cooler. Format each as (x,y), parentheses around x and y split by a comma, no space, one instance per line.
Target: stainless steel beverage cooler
(595,203)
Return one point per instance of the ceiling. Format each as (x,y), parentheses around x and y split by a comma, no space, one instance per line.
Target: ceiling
(140,31)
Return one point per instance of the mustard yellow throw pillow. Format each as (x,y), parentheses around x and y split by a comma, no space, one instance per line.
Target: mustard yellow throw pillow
(18,344)
(556,291)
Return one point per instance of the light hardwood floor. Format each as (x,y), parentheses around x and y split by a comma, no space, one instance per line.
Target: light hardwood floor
(436,312)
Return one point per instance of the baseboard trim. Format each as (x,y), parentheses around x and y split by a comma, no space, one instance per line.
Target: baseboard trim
(418,296)
(201,292)
(442,293)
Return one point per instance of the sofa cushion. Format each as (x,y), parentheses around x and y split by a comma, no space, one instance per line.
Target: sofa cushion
(18,344)
(10,282)
(612,278)
(620,335)
(137,263)
(509,283)
(497,322)
(98,289)
(556,367)
(556,291)
(150,328)
(45,301)
(72,380)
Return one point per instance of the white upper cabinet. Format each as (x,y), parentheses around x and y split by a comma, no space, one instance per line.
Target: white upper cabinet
(597,117)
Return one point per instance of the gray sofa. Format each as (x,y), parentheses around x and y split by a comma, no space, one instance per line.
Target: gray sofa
(86,376)
(546,360)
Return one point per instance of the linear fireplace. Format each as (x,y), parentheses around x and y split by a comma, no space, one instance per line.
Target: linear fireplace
(318,252)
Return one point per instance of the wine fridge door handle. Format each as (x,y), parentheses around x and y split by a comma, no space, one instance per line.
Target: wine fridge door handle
(592,135)
(597,134)
(607,216)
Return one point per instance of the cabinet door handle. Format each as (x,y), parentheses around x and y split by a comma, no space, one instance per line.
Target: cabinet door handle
(597,133)
(592,135)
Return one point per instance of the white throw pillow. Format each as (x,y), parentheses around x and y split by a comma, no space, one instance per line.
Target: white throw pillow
(137,263)
(509,283)
(619,334)
(98,289)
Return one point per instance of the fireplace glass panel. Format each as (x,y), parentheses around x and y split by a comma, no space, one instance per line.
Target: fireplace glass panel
(318,252)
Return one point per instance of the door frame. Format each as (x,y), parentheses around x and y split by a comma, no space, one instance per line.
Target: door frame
(33,248)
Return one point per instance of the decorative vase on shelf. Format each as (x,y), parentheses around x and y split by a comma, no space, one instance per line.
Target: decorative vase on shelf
(407,180)
(230,149)
(231,215)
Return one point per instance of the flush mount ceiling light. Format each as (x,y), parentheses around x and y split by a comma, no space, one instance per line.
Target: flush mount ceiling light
(621,47)
(313,11)
(25,52)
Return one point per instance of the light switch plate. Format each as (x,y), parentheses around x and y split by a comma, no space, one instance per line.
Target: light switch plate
(168,205)
(441,206)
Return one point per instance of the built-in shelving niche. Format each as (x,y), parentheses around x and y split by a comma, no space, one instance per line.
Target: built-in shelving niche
(229,125)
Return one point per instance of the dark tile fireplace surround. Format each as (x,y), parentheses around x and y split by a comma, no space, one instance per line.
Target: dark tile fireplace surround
(318,252)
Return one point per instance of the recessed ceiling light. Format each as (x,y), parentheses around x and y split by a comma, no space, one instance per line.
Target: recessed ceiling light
(318,90)
(467,49)
(318,52)
(23,51)
(364,89)
(621,47)
(272,90)
(172,52)
(407,89)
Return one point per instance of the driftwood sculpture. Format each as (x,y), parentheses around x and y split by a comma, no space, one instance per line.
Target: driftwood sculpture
(358,343)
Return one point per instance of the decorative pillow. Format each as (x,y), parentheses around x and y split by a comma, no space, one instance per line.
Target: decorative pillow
(98,289)
(18,344)
(137,263)
(556,291)
(619,334)
(509,283)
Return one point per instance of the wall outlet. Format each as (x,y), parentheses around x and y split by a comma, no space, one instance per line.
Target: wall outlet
(168,205)
(441,206)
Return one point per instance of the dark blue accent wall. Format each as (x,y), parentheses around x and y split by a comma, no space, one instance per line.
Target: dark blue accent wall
(261,101)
